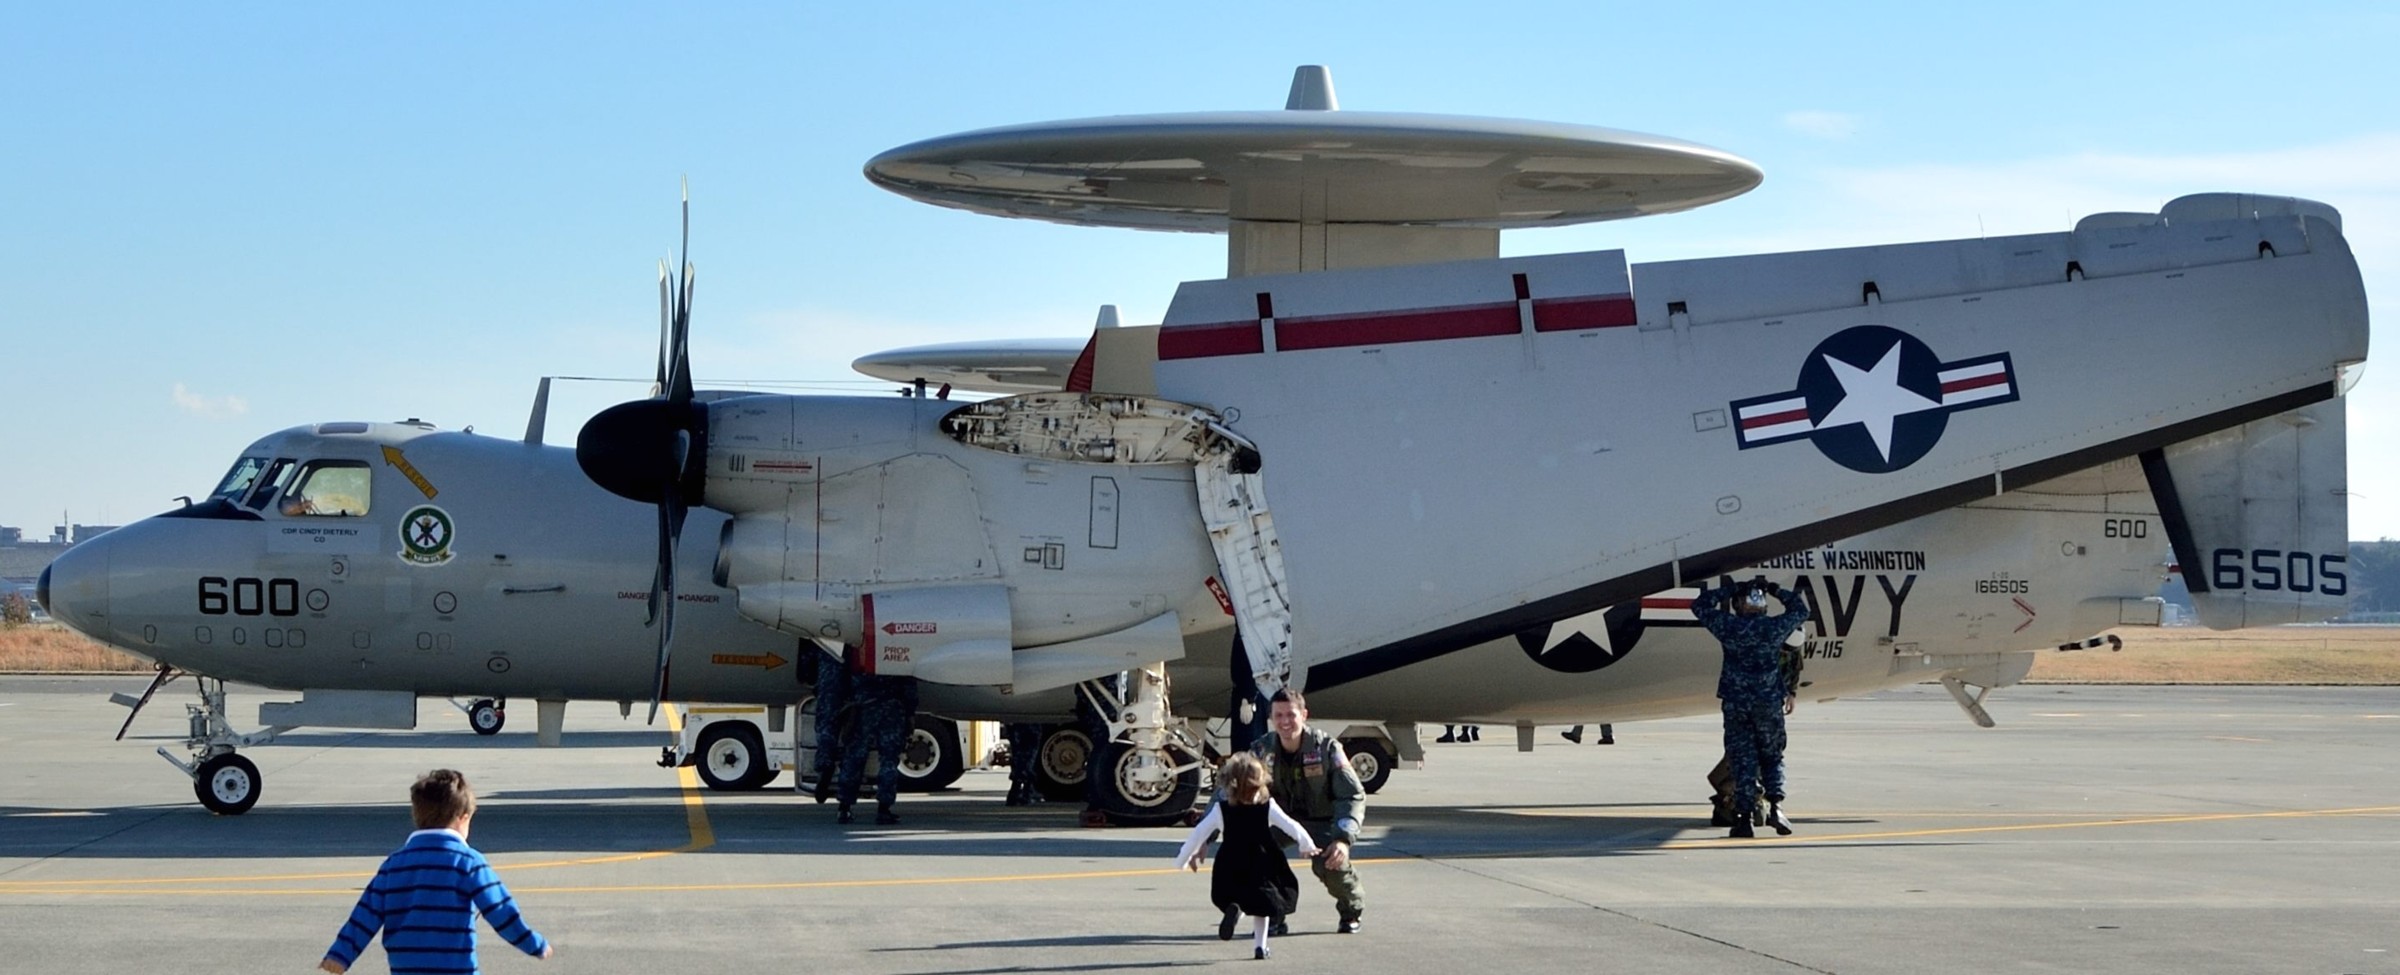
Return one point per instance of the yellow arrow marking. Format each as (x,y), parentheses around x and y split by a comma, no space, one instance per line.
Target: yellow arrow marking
(393,456)
(767,660)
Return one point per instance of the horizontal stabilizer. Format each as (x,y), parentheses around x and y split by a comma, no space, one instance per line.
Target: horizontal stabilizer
(2259,517)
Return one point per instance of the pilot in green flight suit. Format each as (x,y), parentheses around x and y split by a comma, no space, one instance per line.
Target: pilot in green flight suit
(1311,779)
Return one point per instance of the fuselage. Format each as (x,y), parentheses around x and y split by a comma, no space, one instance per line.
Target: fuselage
(456,564)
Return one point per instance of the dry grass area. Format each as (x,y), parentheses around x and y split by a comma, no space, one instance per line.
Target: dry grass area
(50,648)
(2181,655)
(2194,655)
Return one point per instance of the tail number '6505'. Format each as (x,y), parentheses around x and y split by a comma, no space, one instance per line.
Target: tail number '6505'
(2275,570)
(249,597)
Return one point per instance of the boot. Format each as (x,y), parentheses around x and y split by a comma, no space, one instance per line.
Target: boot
(1473,733)
(1608,735)
(1741,831)
(824,788)
(1776,818)
(1016,794)
(1718,815)
(1449,734)
(1574,734)
(884,816)
(844,817)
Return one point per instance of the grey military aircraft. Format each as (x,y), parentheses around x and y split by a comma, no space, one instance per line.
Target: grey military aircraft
(1376,461)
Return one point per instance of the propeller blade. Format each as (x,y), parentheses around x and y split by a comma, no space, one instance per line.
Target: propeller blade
(671,512)
(679,387)
(666,327)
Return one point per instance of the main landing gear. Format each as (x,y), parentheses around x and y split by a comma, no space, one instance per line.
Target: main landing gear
(1150,766)
(486,715)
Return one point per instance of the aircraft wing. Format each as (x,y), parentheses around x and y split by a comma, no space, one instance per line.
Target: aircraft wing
(1456,452)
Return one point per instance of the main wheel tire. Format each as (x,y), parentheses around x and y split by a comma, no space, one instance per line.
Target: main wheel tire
(227,784)
(733,758)
(1371,759)
(1130,805)
(1060,763)
(486,717)
(930,760)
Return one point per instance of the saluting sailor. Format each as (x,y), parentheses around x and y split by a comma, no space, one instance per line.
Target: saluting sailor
(1751,691)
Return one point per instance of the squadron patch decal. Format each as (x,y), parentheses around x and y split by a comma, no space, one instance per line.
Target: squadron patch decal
(425,535)
(1874,399)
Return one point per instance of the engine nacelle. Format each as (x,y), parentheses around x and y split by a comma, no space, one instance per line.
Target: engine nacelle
(944,634)
(835,498)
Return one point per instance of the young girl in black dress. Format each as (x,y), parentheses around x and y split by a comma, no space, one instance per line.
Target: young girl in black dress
(1251,876)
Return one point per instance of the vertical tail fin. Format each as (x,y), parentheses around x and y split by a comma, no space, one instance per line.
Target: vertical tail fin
(2259,518)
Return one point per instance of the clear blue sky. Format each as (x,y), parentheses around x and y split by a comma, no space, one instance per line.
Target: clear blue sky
(221,220)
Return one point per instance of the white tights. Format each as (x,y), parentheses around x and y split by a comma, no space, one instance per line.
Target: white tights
(1258,931)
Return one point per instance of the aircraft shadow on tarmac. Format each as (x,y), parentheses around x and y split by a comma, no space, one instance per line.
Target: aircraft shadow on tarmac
(607,821)
(449,739)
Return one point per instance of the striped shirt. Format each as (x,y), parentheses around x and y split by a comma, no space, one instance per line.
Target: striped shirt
(424,900)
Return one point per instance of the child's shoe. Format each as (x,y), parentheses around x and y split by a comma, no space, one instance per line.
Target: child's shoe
(1233,915)
(1259,955)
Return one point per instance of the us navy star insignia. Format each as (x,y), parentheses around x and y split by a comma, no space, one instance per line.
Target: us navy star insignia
(1592,626)
(1873,398)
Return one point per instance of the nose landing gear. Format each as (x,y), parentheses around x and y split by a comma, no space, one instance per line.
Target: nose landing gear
(224,782)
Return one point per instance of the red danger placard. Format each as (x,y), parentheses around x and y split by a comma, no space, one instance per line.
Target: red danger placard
(897,628)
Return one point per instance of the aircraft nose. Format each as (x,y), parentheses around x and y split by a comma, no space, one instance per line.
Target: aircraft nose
(74,588)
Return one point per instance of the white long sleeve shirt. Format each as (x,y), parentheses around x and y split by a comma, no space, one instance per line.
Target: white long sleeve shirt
(1213,822)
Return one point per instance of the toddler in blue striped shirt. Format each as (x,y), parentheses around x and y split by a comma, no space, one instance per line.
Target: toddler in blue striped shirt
(426,896)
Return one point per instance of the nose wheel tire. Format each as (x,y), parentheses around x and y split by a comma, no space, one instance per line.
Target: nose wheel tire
(486,717)
(227,784)
(733,758)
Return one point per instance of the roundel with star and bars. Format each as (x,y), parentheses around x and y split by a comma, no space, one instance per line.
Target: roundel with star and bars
(1874,399)
(1582,644)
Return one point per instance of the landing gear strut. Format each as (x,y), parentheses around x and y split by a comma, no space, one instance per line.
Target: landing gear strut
(226,783)
(1150,767)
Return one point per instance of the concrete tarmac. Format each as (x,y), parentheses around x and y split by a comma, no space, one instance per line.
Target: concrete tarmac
(2120,829)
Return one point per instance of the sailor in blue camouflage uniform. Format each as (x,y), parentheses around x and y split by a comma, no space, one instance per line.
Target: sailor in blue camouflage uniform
(1751,688)
(1024,756)
(1720,778)
(833,701)
(885,707)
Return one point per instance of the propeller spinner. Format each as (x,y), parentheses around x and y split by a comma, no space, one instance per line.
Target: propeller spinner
(653,450)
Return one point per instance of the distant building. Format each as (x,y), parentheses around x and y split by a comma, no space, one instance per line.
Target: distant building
(11,536)
(85,533)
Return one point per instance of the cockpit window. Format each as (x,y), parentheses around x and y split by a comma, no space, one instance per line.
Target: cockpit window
(329,489)
(237,481)
(277,475)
